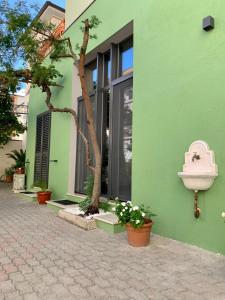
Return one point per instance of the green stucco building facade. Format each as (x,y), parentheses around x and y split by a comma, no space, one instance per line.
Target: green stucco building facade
(177,84)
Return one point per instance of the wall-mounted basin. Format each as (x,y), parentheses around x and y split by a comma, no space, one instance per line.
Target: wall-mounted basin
(197,181)
(199,170)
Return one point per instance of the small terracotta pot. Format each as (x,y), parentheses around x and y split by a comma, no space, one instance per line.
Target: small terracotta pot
(139,237)
(43,197)
(20,170)
(8,179)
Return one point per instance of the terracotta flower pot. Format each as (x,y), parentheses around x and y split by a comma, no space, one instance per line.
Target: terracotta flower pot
(8,179)
(43,197)
(20,170)
(139,237)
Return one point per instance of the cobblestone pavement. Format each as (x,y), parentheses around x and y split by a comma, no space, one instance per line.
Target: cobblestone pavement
(44,257)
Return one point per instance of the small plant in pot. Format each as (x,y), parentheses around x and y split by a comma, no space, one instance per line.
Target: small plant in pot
(86,205)
(44,194)
(9,175)
(137,220)
(19,157)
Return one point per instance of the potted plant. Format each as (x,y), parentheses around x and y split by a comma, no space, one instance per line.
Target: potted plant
(19,157)
(44,194)
(9,175)
(137,220)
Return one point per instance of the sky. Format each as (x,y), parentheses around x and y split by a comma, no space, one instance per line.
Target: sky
(42,2)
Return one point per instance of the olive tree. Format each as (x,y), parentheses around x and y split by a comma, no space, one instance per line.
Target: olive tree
(19,43)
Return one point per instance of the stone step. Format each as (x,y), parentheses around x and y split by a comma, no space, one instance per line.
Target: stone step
(109,223)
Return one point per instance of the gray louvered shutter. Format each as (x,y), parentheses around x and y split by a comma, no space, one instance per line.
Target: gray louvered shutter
(43,128)
(45,146)
(37,166)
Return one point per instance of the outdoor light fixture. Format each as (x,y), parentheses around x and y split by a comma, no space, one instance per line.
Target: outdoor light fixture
(208,23)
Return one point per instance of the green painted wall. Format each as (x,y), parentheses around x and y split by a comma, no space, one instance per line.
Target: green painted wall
(74,9)
(60,132)
(178,97)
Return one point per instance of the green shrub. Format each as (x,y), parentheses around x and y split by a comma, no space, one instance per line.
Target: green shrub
(9,171)
(88,188)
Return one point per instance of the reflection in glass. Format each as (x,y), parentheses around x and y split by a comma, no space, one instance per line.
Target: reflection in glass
(105,152)
(91,76)
(127,61)
(94,78)
(125,157)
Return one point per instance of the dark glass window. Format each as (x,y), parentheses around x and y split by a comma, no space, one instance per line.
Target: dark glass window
(107,69)
(94,78)
(112,93)
(106,143)
(126,58)
(121,160)
(91,76)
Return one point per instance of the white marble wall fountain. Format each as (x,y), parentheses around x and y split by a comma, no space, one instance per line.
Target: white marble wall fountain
(199,170)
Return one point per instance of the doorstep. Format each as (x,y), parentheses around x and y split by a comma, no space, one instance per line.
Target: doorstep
(57,206)
(103,201)
(109,223)
(30,197)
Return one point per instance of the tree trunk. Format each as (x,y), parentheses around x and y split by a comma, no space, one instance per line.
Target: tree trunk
(90,116)
(97,168)
(93,136)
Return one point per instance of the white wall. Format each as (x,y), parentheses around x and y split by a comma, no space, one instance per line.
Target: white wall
(74,8)
(6,162)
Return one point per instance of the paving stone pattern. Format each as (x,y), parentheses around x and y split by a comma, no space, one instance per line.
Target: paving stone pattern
(44,257)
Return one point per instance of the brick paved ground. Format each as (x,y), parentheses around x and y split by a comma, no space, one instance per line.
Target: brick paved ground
(43,257)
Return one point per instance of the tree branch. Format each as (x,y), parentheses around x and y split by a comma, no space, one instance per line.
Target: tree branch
(72,53)
(51,107)
(63,56)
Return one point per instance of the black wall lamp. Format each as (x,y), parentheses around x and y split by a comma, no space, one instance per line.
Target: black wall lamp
(208,23)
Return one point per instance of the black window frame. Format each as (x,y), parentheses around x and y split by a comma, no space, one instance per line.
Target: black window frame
(102,87)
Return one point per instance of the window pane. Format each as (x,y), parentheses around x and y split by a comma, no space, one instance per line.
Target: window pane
(107,69)
(82,171)
(105,146)
(91,76)
(121,160)
(125,156)
(94,78)
(127,61)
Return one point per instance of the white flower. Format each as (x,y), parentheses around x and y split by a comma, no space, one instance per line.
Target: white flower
(135,208)
(126,207)
(128,202)
(123,203)
(113,209)
(143,215)
(223,214)
(130,209)
(121,214)
(123,210)
(116,198)
(138,221)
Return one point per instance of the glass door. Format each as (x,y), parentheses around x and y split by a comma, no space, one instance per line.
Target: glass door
(121,139)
